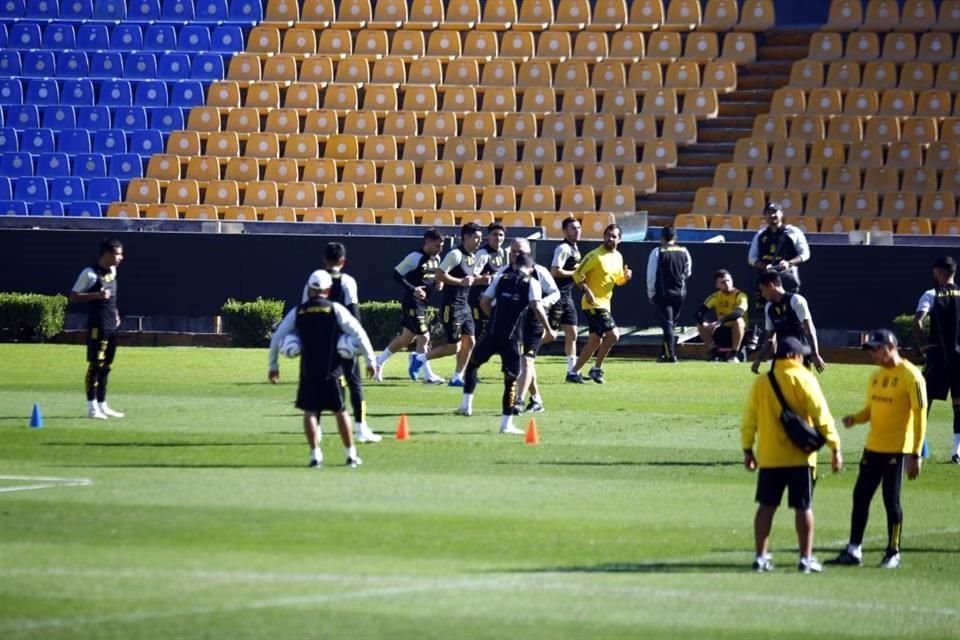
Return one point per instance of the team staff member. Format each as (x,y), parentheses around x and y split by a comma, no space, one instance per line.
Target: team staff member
(782,465)
(942,349)
(728,305)
(787,315)
(416,274)
(97,287)
(668,269)
(601,270)
(491,257)
(897,412)
(563,315)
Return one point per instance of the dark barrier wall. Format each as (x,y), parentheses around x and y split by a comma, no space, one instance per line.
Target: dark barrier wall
(808,12)
(182,274)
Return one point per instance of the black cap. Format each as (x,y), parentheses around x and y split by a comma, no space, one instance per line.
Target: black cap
(880,338)
(791,346)
(772,207)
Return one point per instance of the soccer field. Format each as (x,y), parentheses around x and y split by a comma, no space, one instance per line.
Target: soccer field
(197,517)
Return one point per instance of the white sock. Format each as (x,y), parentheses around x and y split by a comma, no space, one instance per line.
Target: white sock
(352,452)
(359,426)
(956,444)
(427,371)
(422,357)
(536,398)
(506,421)
(316,454)
(93,405)
(467,401)
(571,363)
(457,375)
(855,550)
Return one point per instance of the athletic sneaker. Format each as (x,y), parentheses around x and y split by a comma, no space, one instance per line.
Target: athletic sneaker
(809,565)
(761,565)
(110,413)
(366,434)
(511,431)
(353,463)
(669,359)
(463,411)
(378,372)
(414,367)
(596,374)
(847,559)
(315,464)
(456,382)
(733,357)
(95,413)
(891,560)
(534,407)
(955,459)
(433,379)
(575,378)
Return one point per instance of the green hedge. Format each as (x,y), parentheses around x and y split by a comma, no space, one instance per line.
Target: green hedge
(31,317)
(381,320)
(251,323)
(903,328)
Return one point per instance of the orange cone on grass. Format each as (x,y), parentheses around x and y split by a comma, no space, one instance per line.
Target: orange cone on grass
(403,429)
(532,436)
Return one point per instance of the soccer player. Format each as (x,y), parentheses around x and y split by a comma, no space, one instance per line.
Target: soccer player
(601,270)
(787,315)
(416,274)
(723,332)
(563,315)
(491,257)
(897,412)
(942,349)
(513,293)
(319,322)
(456,274)
(97,287)
(781,463)
(668,269)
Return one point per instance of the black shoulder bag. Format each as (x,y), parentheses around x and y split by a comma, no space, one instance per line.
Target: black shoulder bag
(805,437)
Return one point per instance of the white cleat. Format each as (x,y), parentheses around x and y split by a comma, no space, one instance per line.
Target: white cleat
(365,434)
(353,462)
(378,372)
(96,414)
(110,413)
(434,379)
(463,411)
(511,431)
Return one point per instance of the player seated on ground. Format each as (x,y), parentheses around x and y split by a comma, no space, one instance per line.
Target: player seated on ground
(722,319)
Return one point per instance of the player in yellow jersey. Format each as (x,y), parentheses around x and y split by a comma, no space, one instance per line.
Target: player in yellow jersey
(723,332)
(897,412)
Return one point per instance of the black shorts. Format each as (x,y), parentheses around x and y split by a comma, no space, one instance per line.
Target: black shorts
(532,335)
(723,337)
(101,347)
(772,481)
(600,321)
(457,322)
(480,321)
(564,312)
(942,376)
(414,318)
(508,350)
(317,396)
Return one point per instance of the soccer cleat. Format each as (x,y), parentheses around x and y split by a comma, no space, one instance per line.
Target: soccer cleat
(733,357)
(511,431)
(463,411)
(94,413)
(415,365)
(315,464)
(378,372)
(534,407)
(596,374)
(760,565)
(353,463)
(575,378)
(891,560)
(433,379)
(456,381)
(955,459)
(366,434)
(847,559)
(110,413)
(667,359)
(809,565)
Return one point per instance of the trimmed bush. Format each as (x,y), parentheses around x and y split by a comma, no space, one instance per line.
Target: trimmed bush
(903,328)
(251,323)
(381,320)
(31,317)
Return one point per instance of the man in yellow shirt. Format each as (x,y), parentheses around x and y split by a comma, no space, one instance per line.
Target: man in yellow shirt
(600,271)
(723,334)
(781,463)
(897,412)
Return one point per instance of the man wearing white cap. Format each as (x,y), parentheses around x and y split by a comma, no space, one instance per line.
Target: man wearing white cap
(319,323)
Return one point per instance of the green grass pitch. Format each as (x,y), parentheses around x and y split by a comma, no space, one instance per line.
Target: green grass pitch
(196,516)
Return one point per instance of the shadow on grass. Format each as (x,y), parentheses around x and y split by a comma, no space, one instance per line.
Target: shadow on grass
(648,567)
(187,465)
(628,463)
(142,445)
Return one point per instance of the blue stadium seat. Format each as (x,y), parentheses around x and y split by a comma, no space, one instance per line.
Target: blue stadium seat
(42,10)
(90,165)
(13,208)
(125,166)
(77,92)
(186,93)
(173,66)
(194,37)
(103,189)
(146,142)
(22,116)
(73,64)
(43,92)
(14,8)
(11,91)
(246,11)
(179,10)
(67,189)
(106,64)
(212,11)
(110,10)
(4,36)
(60,35)
(151,93)
(130,118)
(9,141)
(31,189)
(6,190)
(76,10)
(85,209)
(53,165)
(93,36)
(110,141)
(161,36)
(140,65)
(227,38)
(126,37)
(73,141)
(116,93)
(38,140)
(60,117)
(167,118)
(10,62)
(25,35)
(16,164)
(207,66)
(143,10)
(93,118)
(46,208)
(38,64)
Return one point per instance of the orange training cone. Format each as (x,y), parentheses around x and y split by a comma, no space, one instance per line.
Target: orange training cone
(532,436)
(403,429)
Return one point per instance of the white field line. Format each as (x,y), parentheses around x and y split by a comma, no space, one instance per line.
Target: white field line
(43,482)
